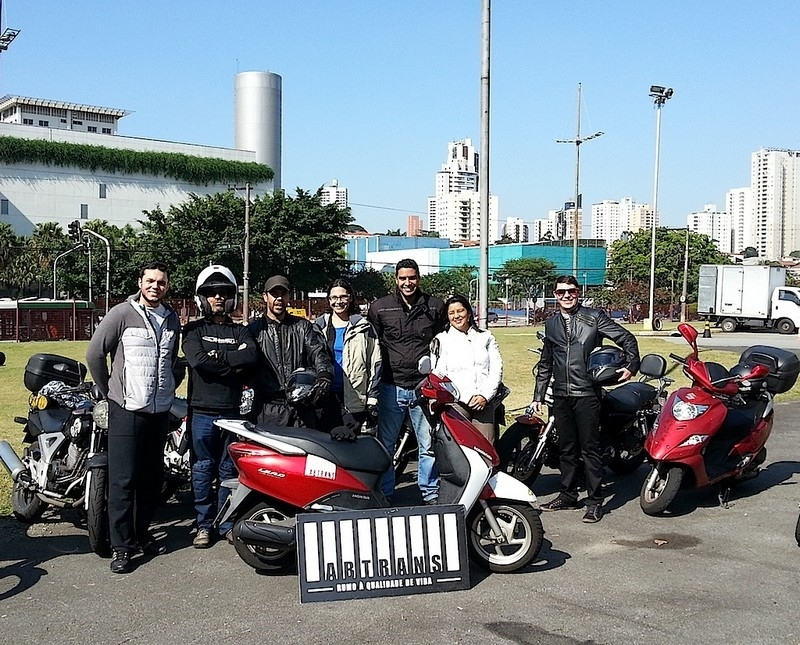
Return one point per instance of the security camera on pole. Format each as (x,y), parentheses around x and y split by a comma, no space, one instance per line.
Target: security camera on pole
(659,94)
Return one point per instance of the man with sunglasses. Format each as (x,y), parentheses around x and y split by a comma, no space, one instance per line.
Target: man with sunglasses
(219,352)
(570,336)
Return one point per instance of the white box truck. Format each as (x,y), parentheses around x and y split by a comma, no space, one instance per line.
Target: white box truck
(735,296)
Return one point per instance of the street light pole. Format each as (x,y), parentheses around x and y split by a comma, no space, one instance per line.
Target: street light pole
(684,304)
(105,241)
(245,254)
(55,262)
(483,271)
(577,141)
(659,95)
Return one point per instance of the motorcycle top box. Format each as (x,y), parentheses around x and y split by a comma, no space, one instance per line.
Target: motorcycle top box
(784,366)
(43,368)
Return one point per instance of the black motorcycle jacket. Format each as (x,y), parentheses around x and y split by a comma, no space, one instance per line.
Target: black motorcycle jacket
(405,334)
(285,346)
(564,357)
(218,367)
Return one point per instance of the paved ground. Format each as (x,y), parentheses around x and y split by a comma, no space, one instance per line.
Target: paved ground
(703,574)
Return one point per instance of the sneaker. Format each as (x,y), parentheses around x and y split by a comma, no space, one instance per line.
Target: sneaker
(202,540)
(594,513)
(150,546)
(120,562)
(561,503)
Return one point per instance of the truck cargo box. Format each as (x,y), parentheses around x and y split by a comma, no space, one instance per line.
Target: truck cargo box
(739,291)
(43,368)
(784,366)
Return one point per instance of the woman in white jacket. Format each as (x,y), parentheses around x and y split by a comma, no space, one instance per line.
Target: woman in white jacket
(470,358)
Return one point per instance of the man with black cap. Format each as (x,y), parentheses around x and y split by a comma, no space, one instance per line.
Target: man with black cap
(286,343)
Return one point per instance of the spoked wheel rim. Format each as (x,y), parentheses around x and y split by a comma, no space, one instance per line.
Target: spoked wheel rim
(521,529)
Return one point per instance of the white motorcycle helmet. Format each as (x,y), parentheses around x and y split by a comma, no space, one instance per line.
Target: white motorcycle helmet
(214,278)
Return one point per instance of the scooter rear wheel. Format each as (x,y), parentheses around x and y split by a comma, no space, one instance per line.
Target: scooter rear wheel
(660,488)
(263,558)
(521,527)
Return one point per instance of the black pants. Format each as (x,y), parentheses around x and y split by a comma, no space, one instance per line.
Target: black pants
(578,425)
(135,473)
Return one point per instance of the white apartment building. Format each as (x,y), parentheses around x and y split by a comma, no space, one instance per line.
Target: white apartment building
(739,205)
(542,228)
(775,185)
(516,229)
(611,219)
(454,211)
(334,194)
(715,224)
(562,222)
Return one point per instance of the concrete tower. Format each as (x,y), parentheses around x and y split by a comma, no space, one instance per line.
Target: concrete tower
(258,118)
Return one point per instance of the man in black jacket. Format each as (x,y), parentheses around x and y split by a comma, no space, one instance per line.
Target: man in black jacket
(570,336)
(218,352)
(406,322)
(286,343)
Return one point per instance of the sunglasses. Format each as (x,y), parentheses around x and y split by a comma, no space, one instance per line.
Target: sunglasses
(566,292)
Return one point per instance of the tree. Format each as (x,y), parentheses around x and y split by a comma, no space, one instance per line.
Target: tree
(527,276)
(629,260)
(367,284)
(451,281)
(750,252)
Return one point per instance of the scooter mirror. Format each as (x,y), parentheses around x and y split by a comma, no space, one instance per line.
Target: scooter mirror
(690,335)
(424,365)
(540,335)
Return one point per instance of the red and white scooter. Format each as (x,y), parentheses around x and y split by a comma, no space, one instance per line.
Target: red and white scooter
(285,471)
(715,431)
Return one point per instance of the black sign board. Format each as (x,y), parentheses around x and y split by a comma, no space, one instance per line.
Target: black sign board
(382,552)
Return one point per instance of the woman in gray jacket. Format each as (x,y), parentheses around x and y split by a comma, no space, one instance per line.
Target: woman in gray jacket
(356,354)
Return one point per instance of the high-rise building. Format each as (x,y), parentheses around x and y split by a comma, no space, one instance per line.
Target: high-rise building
(715,224)
(516,229)
(334,194)
(775,185)
(612,220)
(413,225)
(562,222)
(739,205)
(454,211)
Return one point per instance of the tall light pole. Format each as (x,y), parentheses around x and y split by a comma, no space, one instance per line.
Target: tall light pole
(685,275)
(87,232)
(659,94)
(483,270)
(245,255)
(577,141)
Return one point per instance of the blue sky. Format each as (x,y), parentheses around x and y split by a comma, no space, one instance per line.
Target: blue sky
(373,90)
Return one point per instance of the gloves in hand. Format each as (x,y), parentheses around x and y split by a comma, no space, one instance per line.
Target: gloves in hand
(320,391)
(343,433)
(372,416)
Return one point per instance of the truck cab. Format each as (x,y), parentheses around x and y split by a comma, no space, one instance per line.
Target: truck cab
(786,309)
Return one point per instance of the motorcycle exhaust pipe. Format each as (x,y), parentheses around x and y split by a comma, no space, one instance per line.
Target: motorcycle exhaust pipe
(10,460)
(263,534)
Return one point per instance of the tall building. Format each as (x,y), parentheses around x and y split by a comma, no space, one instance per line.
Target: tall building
(612,219)
(775,185)
(454,211)
(562,222)
(542,230)
(715,224)
(739,205)
(258,106)
(334,194)
(413,225)
(516,229)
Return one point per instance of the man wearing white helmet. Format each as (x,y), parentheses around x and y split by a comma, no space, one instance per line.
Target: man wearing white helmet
(219,352)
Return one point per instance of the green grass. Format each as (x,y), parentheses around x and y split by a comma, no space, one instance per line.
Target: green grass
(513,341)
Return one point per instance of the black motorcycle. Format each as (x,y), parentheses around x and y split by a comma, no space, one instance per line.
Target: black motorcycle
(64,461)
(627,414)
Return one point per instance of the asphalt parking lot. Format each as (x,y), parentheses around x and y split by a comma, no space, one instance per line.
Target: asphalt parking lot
(702,574)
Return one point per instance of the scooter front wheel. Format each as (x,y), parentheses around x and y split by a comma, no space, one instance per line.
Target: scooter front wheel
(263,558)
(520,543)
(660,488)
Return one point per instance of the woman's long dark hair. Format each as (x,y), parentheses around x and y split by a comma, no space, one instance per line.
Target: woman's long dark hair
(458,298)
(344,284)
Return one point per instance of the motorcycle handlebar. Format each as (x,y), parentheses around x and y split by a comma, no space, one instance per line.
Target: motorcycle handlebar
(680,359)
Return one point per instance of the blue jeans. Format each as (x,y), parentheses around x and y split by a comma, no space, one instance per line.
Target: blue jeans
(393,404)
(211,461)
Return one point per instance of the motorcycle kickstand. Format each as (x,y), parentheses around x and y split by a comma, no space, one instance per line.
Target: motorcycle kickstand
(492,520)
(724,495)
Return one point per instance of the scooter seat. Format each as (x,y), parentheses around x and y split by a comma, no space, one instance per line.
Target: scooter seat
(365,454)
(629,397)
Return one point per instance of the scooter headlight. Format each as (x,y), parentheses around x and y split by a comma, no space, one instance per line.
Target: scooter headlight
(685,411)
(100,415)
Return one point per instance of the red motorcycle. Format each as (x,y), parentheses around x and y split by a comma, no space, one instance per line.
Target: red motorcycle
(285,471)
(715,431)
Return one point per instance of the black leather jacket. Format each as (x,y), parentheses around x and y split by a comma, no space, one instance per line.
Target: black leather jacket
(565,357)
(284,346)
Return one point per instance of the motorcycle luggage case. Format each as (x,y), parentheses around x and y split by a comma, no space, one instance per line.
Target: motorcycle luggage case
(784,366)
(43,368)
